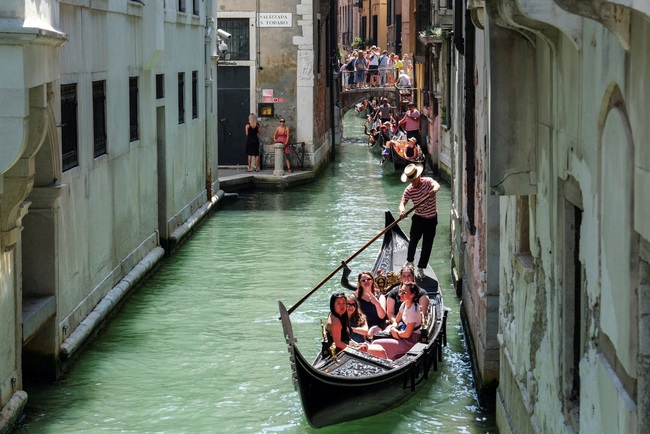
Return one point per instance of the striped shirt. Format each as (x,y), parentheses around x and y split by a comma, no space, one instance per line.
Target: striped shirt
(417,195)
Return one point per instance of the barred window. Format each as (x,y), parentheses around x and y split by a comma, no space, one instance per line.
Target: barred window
(239,42)
(69,137)
(134,125)
(181,97)
(195,94)
(99,117)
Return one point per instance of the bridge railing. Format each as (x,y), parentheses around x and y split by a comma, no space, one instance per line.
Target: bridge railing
(387,78)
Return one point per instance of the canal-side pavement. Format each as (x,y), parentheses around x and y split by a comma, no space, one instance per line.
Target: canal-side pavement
(232,178)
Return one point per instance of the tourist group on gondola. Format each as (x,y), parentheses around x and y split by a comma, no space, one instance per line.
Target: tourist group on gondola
(383,338)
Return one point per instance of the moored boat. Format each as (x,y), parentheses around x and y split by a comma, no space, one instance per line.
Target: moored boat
(352,384)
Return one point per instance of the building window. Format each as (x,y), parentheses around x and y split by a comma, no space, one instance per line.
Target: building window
(69,138)
(573,306)
(523,225)
(375,32)
(99,117)
(195,94)
(195,7)
(160,86)
(134,126)
(181,5)
(239,43)
(181,99)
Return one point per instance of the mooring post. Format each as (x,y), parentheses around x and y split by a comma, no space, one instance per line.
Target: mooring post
(279,159)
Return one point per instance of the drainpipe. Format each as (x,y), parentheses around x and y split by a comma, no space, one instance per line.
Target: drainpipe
(209,35)
(257,39)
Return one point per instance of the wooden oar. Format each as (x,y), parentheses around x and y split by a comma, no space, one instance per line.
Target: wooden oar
(336,270)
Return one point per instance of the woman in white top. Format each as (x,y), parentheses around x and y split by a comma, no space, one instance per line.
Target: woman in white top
(407,334)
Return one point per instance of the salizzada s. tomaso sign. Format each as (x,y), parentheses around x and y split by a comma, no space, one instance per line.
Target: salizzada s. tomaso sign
(274,19)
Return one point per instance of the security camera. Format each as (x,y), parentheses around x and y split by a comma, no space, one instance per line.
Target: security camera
(223,48)
(223,34)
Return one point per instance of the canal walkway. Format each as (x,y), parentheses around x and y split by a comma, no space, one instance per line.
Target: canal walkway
(232,178)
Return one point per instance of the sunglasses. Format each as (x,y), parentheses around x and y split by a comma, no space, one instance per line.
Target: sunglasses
(281,120)
(351,305)
(403,292)
(365,280)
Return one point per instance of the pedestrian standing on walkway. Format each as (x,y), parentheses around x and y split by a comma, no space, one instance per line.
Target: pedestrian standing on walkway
(253,130)
(281,135)
(373,66)
(422,192)
(383,68)
(360,70)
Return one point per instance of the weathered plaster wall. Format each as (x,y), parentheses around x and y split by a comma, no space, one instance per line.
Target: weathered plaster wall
(588,124)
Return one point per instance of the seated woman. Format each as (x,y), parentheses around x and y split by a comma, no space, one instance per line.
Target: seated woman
(371,301)
(393,302)
(411,151)
(357,320)
(403,338)
(338,328)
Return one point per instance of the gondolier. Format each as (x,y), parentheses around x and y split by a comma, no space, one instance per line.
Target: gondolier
(411,122)
(422,191)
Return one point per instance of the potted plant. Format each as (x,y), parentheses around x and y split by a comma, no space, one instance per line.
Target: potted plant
(357,43)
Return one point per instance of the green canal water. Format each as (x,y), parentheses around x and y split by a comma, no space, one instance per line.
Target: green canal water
(198,348)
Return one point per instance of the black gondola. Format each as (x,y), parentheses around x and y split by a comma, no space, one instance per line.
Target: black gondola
(352,384)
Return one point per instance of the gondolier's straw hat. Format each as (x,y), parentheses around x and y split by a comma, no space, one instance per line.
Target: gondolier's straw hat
(411,172)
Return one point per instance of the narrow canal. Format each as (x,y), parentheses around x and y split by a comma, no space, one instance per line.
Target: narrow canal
(199,348)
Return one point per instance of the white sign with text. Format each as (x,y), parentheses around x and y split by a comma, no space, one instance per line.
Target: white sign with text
(274,19)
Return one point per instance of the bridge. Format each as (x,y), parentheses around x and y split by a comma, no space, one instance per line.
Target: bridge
(349,98)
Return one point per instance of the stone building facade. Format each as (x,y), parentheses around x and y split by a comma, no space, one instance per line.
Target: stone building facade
(290,53)
(551,174)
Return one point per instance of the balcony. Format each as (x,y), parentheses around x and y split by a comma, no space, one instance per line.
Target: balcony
(431,35)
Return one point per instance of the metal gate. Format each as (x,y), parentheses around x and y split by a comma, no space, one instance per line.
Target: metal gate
(233,108)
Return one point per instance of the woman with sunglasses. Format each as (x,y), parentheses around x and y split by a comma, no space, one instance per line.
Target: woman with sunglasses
(403,338)
(281,135)
(338,328)
(371,301)
(357,320)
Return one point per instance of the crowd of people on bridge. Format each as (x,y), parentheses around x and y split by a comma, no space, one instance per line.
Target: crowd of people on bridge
(376,68)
